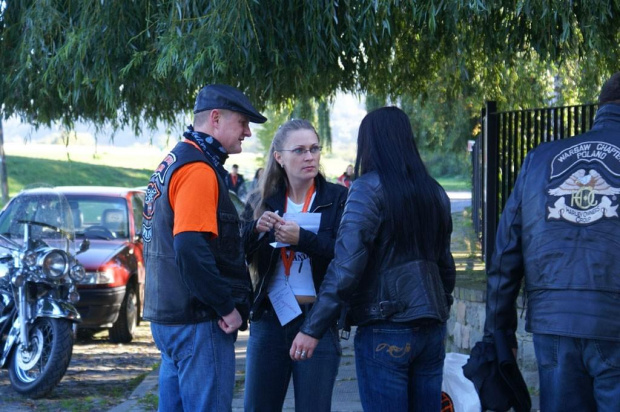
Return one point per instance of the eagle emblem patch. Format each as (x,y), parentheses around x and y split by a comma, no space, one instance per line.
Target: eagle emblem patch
(585,196)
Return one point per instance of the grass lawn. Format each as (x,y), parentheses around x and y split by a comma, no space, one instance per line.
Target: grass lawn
(57,165)
(455,184)
(27,171)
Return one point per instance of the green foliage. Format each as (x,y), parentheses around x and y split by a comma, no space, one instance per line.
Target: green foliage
(374,101)
(323,127)
(315,111)
(136,62)
(149,402)
(447,114)
(265,134)
(455,184)
(304,109)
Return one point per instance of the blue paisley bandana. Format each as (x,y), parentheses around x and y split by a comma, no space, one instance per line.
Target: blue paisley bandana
(210,147)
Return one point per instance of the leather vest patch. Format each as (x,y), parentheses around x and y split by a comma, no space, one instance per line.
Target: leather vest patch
(584,183)
(152,193)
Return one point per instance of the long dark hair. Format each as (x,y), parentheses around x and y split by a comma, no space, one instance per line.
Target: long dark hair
(417,208)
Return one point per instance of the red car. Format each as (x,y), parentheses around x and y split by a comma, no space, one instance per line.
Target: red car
(112,293)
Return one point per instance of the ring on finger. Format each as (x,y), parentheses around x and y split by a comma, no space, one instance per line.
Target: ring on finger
(297,352)
(303,353)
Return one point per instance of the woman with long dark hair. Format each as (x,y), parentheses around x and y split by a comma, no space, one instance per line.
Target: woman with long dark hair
(287,279)
(392,266)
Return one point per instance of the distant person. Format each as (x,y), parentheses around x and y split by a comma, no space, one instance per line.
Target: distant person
(250,189)
(234,180)
(560,233)
(392,266)
(197,286)
(292,275)
(256,180)
(347,177)
(252,196)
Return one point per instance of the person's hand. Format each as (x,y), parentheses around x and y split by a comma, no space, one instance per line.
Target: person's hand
(287,232)
(267,221)
(303,347)
(230,322)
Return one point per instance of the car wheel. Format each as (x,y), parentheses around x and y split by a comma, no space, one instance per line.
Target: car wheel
(125,326)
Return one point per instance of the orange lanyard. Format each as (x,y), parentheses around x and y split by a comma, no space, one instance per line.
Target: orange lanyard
(286,254)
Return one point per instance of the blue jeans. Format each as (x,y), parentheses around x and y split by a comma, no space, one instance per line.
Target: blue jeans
(268,367)
(578,374)
(197,371)
(400,366)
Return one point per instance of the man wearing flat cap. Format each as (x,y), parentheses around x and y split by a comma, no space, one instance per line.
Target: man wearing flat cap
(197,286)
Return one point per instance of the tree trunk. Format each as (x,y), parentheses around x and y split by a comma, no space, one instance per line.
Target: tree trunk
(4,180)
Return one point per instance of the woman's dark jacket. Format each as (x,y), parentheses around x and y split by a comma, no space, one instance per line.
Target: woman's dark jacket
(378,283)
(329,202)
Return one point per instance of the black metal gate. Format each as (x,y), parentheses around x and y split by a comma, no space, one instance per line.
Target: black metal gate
(500,150)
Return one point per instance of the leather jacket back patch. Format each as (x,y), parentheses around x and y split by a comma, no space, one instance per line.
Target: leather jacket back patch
(584,183)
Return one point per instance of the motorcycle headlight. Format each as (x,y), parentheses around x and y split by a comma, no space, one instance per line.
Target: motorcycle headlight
(77,273)
(74,297)
(54,263)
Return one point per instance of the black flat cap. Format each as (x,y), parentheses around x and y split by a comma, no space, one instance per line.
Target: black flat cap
(221,96)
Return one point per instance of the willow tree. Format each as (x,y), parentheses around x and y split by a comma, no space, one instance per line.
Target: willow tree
(136,62)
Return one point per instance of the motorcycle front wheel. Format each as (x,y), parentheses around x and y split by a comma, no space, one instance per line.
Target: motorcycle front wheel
(36,370)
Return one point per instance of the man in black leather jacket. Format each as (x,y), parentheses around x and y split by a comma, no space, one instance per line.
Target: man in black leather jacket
(560,231)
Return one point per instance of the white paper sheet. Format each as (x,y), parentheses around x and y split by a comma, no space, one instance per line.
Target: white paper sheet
(284,303)
(307,221)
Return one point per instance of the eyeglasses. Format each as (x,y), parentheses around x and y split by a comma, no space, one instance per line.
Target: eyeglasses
(300,151)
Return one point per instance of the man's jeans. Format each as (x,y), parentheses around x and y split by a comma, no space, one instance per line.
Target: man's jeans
(269,367)
(400,366)
(197,371)
(578,374)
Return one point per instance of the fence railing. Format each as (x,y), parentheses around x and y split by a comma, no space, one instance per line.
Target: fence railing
(500,150)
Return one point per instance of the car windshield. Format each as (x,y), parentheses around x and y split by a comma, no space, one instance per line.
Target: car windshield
(99,214)
(45,211)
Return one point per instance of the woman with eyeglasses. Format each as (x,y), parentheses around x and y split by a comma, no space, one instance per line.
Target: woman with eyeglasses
(392,265)
(287,279)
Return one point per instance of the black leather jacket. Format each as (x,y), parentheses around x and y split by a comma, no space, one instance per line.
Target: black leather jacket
(377,283)
(559,230)
(329,202)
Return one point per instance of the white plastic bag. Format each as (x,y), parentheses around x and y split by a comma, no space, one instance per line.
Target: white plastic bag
(458,388)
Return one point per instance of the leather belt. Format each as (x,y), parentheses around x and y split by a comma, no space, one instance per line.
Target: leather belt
(383,309)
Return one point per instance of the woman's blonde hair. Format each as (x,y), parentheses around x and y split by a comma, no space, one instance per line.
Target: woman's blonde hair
(274,177)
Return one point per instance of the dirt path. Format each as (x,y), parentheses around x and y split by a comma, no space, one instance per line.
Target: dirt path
(101,375)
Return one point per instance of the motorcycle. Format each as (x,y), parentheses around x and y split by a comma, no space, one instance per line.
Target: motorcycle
(38,290)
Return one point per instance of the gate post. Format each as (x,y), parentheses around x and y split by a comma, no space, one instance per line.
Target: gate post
(491,176)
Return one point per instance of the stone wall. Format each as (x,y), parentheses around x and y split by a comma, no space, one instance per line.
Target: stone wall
(466,324)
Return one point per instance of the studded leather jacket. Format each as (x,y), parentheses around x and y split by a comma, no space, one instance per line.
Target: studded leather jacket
(371,279)
(560,231)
